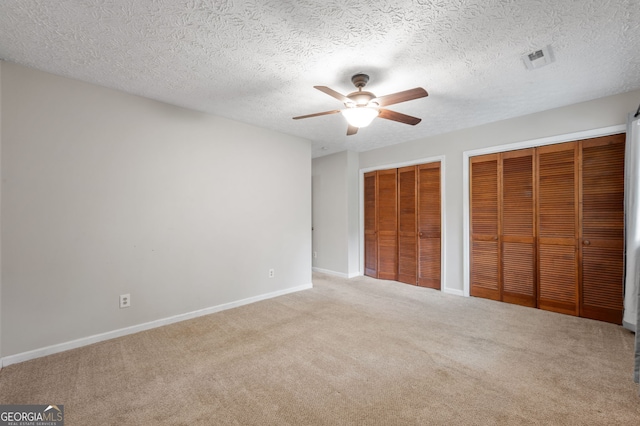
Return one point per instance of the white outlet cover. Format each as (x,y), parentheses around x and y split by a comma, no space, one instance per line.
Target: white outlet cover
(125,300)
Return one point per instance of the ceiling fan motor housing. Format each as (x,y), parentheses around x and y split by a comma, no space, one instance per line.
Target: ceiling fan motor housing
(360,80)
(360,98)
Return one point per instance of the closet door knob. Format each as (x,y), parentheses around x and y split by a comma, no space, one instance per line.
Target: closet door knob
(587,242)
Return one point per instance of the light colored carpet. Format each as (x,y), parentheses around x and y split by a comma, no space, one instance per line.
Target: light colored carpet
(357,351)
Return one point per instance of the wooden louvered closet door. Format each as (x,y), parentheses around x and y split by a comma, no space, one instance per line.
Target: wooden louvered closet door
(557,217)
(387,231)
(370,226)
(547,227)
(429,225)
(602,243)
(485,244)
(407,233)
(402,224)
(518,228)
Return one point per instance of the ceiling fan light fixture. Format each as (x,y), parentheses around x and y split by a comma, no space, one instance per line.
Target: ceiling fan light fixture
(362,106)
(360,116)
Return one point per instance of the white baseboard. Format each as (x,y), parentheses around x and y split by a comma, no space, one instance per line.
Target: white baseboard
(61,347)
(453,291)
(334,273)
(629,326)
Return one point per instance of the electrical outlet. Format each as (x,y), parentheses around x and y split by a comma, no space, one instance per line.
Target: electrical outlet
(125,300)
(315,254)
(272,273)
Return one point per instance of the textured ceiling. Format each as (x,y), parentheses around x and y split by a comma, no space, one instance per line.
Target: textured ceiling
(257,61)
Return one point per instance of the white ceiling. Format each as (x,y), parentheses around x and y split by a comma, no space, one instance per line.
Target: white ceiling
(257,61)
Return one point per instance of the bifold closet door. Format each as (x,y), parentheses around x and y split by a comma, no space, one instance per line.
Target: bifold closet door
(518,228)
(547,227)
(557,218)
(484,215)
(387,230)
(503,245)
(602,242)
(407,223)
(402,224)
(429,224)
(370,226)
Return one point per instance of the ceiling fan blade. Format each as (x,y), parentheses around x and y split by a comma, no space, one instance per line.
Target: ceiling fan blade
(335,111)
(397,116)
(396,98)
(352,130)
(333,93)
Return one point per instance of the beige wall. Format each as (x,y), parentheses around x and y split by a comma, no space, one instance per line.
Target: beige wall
(105,193)
(335,213)
(353,214)
(594,114)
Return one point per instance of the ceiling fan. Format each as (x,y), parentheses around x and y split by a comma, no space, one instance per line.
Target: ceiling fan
(362,107)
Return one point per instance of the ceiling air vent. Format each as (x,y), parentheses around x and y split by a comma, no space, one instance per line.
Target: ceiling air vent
(539,58)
